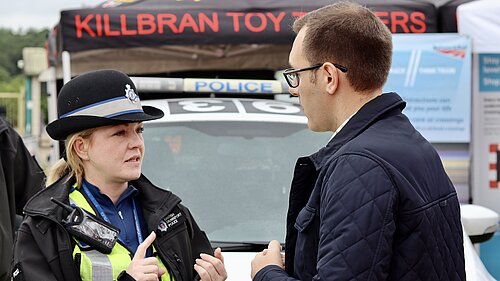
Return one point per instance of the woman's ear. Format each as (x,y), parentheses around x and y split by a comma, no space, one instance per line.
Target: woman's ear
(81,148)
(331,77)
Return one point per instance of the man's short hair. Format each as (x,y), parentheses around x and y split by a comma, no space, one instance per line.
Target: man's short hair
(350,35)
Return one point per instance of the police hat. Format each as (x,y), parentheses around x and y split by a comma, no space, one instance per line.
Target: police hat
(98,98)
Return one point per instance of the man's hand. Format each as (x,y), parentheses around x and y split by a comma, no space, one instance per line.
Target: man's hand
(141,268)
(270,256)
(211,268)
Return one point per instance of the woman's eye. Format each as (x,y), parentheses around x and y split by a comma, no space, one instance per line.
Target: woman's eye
(119,133)
(140,130)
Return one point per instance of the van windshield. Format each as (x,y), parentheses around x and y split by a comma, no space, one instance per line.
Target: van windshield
(234,176)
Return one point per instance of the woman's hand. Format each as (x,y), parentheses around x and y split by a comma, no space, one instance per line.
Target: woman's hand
(211,268)
(141,268)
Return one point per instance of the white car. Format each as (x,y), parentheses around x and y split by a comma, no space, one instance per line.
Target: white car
(231,161)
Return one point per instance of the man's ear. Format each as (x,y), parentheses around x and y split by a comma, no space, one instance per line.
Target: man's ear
(331,77)
(81,147)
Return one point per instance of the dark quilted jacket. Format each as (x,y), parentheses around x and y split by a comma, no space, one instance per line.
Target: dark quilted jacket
(374,204)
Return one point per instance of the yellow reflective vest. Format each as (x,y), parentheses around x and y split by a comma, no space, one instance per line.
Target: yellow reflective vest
(95,265)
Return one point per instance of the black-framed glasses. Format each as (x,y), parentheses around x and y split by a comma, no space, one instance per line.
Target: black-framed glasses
(292,74)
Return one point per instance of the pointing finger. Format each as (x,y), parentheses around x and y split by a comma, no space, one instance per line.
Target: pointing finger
(143,247)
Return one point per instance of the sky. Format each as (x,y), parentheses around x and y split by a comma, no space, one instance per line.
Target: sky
(20,15)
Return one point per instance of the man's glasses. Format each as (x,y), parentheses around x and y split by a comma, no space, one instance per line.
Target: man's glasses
(292,75)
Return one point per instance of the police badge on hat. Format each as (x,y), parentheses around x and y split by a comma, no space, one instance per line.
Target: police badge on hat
(130,94)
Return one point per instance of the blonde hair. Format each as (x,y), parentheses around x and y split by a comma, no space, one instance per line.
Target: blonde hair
(73,165)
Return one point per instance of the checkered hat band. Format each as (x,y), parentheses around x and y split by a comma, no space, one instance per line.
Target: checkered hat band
(108,108)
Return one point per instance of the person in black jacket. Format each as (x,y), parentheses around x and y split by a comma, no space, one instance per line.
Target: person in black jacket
(375,203)
(99,218)
(20,178)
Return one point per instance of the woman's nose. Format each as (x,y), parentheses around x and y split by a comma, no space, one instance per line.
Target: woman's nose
(136,140)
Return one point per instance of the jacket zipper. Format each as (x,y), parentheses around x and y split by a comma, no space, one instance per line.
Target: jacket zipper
(170,262)
(78,260)
(174,262)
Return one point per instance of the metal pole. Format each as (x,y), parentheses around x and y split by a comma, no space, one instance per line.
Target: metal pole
(52,109)
(66,66)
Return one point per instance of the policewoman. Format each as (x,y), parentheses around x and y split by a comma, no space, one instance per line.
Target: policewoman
(124,227)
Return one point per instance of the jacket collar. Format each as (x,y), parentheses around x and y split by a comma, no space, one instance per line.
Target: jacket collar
(153,199)
(366,115)
(41,204)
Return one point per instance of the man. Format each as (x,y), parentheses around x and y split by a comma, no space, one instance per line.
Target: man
(20,178)
(375,203)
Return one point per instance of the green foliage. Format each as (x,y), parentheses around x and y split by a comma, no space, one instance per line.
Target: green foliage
(12,78)
(4,74)
(11,84)
(12,44)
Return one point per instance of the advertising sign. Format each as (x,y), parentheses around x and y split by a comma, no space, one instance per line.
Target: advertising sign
(150,23)
(486,130)
(432,73)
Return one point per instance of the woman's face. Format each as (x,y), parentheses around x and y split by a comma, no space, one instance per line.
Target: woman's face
(113,154)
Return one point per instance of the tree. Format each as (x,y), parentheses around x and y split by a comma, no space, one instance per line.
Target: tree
(12,45)
(11,77)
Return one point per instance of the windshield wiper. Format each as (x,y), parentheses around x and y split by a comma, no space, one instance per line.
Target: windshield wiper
(242,246)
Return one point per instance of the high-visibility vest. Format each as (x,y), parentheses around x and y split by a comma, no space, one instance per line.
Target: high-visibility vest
(96,266)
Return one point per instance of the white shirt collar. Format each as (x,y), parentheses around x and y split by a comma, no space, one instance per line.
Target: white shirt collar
(342,126)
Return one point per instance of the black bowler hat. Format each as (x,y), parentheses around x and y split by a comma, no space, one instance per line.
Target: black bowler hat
(98,98)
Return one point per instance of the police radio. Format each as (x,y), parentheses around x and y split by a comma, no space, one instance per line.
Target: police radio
(88,228)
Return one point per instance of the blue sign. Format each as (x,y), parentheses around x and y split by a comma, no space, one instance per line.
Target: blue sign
(489,72)
(432,73)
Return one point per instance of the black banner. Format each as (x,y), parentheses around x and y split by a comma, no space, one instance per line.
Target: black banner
(150,23)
